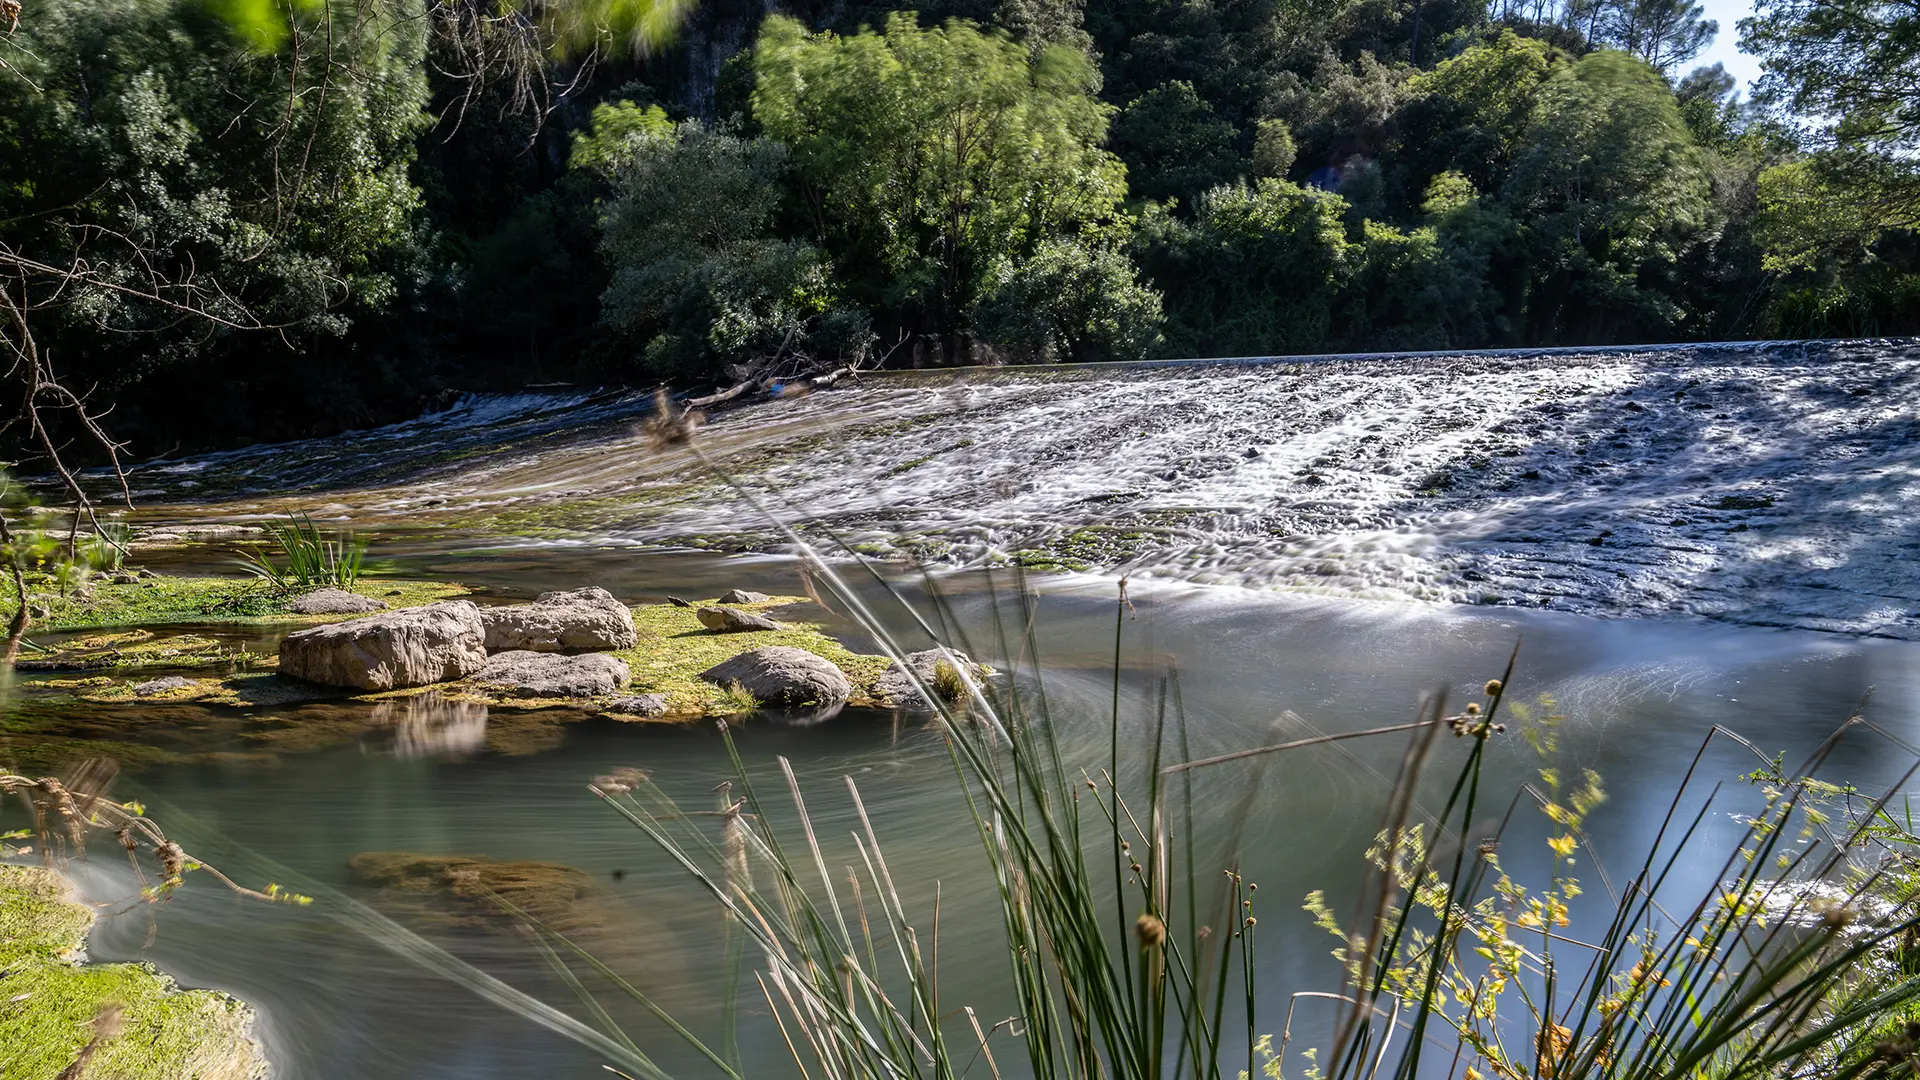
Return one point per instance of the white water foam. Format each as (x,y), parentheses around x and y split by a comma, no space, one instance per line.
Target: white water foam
(1759,484)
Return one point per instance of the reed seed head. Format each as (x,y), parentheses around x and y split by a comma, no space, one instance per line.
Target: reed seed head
(1473,708)
(1494,687)
(1151,931)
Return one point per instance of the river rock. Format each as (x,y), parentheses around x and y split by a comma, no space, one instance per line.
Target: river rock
(409,647)
(588,618)
(742,596)
(540,674)
(783,675)
(726,620)
(332,601)
(639,705)
(161,686)
(899,690)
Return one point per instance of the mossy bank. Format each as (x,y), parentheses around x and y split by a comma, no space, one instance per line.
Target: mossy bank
(162,600)
(129,1021)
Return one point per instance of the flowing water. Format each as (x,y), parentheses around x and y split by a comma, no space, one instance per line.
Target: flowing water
(1676,538)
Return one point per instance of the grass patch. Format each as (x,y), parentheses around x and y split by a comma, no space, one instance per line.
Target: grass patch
(158,601)
(54,1006)
(674,649)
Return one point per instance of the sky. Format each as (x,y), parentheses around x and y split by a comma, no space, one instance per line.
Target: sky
(1725,49)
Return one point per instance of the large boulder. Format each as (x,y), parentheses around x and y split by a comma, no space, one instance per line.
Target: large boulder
(581,619)
(744,596)
(783,675)
(726,620)
(533,674)
(935,671)
(332,601)
(409,647)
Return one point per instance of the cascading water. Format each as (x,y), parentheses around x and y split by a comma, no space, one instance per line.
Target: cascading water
(1770,484)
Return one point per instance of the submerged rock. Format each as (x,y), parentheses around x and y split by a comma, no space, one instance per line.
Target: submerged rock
(783,675)
(588,618)
(935,671)
(726,620)
(161,686)
(743,596)
(649,705)
(537,674)
(410,647)
(481,888)
(332,601)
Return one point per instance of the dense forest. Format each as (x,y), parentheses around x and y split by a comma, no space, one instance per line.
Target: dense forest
(240,219)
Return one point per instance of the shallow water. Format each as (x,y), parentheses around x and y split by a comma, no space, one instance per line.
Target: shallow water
(1770,485)
(1288,530)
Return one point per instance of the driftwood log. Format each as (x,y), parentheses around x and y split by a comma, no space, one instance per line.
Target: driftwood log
(790,387)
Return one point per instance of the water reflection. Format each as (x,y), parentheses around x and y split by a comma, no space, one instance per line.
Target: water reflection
(432,726)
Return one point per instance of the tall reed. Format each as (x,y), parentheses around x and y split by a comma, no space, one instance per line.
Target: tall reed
(312,557)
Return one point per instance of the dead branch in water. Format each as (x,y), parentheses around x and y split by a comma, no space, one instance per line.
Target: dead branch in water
(66,811)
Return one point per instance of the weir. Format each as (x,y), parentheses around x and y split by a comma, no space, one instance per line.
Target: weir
(1769,484)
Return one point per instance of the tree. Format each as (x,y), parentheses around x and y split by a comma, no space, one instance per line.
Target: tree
(1609,188)
(1258,271)
(1664,33)
(1473,112)
(152,143)
(1851,67)
(1175,144)
(1071,300)
(929,158)
(699,280)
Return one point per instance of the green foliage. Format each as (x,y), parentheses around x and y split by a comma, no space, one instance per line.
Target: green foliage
(106,549)
(928,158)
(1611,187)
(1273,149)
(313,558)
(396,190)
(616,134)
(1259,269)
(1847,64)
(698,277)
(267,179)
(1071,300)
(1478,106)
(1174,144)
(1842,226)
(1664,33)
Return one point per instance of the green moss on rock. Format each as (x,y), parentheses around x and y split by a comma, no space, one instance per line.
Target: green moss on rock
(51,1007)
(674,649)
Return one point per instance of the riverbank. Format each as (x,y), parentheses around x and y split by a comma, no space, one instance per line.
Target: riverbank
(127,1021)
(119,664)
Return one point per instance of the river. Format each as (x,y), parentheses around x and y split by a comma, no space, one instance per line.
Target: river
(1675,538)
